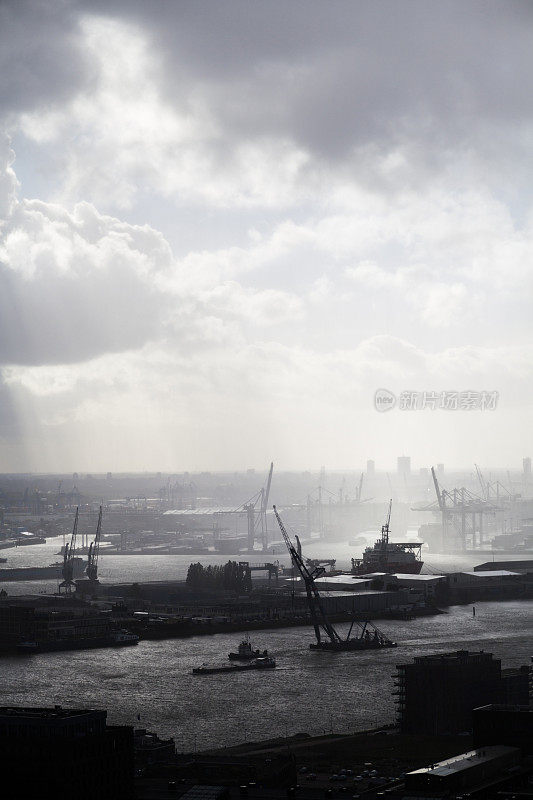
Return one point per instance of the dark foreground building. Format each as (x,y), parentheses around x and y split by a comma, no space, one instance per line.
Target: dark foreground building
(437,693)
(504,724)
(50,751)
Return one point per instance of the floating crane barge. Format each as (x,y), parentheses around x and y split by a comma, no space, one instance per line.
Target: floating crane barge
(369,638)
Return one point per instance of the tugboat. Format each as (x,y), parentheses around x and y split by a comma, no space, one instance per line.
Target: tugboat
(266,662)
(390,557)
(245,652)
(124,638)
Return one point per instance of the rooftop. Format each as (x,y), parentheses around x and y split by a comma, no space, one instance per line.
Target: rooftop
(524,565)
(352,580)
(492,573)
(335,593)
(505,707)
(427,578)
(187,512)
(57,712)
(458,657)
(466,760)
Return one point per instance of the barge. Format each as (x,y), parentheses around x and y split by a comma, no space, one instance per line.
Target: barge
(258,663)
(119,638)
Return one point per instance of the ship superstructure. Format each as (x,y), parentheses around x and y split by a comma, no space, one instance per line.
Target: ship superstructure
(387,556)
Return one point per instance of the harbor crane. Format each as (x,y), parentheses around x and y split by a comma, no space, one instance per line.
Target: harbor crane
(462,514)
(94,551)
(369,638)
(359,489)
(257,523)
(67,571)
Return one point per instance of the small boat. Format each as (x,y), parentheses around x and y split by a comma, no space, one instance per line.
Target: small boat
(124,638)
(258,663)
(245,652)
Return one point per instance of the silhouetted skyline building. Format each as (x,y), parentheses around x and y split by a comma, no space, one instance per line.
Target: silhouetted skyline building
(511,725)
(60,750)
(436,693)
(404,466)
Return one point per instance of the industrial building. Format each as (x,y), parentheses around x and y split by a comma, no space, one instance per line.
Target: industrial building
(437,693)
(511,725)
(56,748)
(40,618)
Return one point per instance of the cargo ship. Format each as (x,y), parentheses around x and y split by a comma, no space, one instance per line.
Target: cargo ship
(390,557)
(53,571)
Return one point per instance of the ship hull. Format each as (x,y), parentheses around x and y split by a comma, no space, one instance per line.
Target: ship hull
(75,644)
(39,573)
(352,645)
(390,567)
(269,664)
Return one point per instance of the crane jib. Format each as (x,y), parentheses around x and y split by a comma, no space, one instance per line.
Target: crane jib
(369,636)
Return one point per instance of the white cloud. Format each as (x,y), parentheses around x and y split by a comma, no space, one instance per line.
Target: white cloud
(370,215)
(123,138)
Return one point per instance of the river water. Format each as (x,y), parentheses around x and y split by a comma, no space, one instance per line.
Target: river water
(309,691)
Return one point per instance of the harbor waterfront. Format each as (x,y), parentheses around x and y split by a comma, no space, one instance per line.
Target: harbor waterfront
(128,568)
(309,692)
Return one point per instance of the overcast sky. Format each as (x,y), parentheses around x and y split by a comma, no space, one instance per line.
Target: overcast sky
(224,225)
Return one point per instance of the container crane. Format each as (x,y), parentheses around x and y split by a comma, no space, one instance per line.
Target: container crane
(370,637)
(484,485)
(257,525)
(67,571)
(359,489)
(94,550)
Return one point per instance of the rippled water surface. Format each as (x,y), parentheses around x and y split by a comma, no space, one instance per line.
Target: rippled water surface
(309,691)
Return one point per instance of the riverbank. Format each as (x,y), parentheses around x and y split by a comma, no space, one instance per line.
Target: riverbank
(308,691)
(170,629)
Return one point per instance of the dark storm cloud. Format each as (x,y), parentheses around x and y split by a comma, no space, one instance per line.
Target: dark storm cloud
(41,63)
(333,76)
(341,74)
